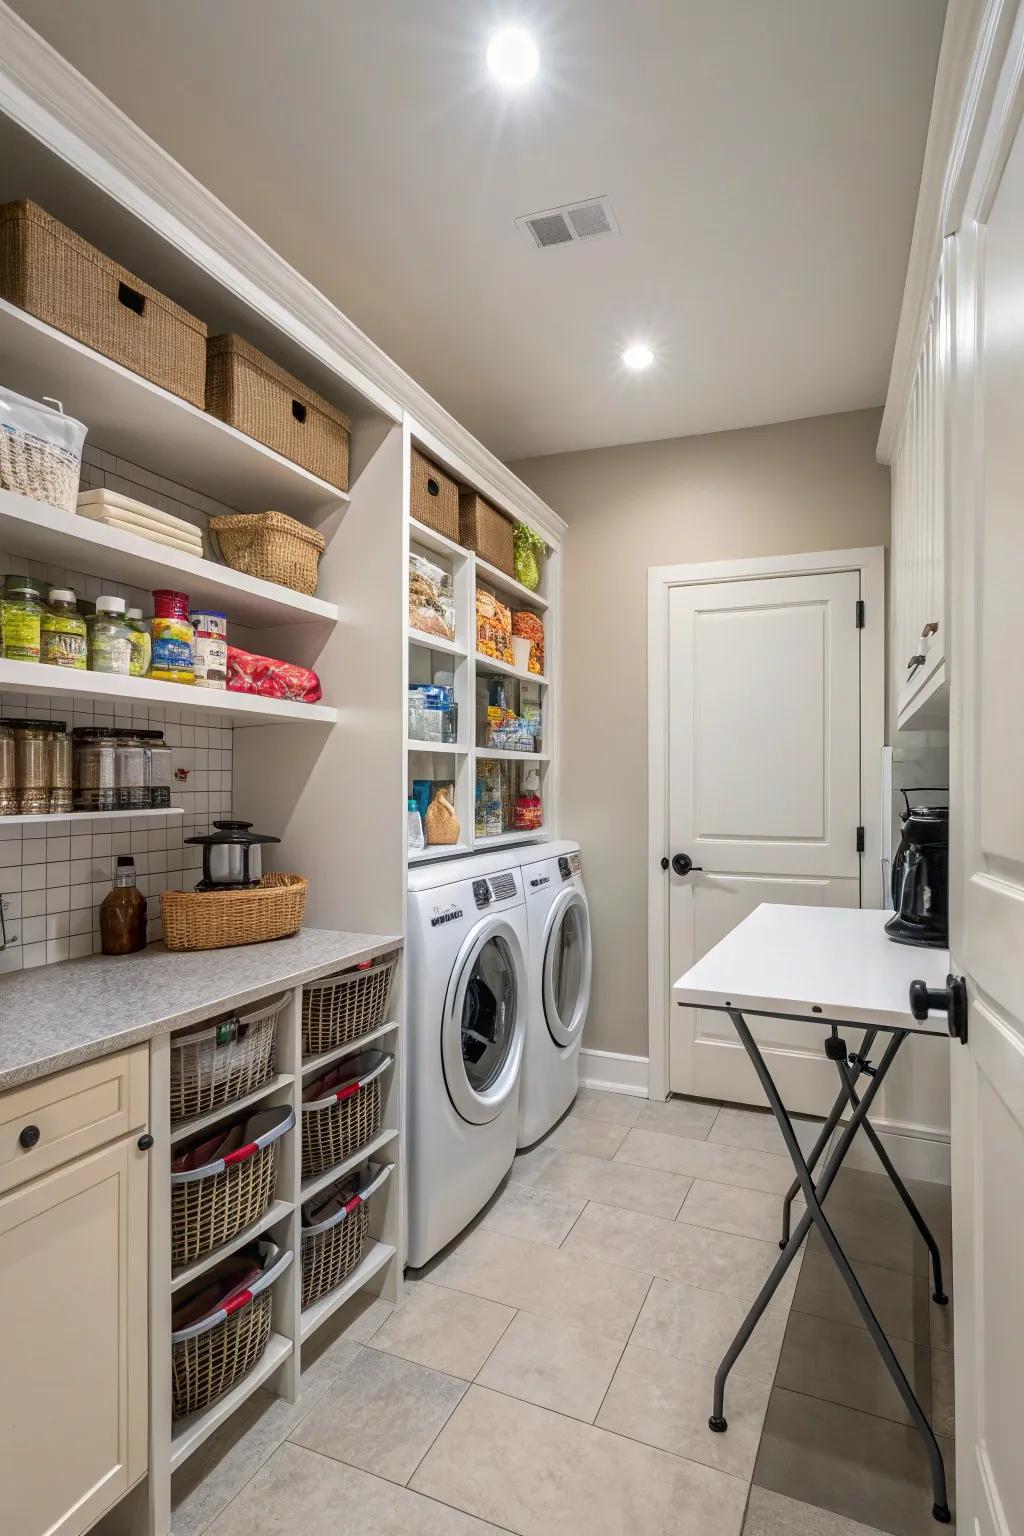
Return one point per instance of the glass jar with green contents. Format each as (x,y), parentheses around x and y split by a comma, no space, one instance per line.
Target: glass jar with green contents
(21,619)
(110,638)
(63,639)
(142,645)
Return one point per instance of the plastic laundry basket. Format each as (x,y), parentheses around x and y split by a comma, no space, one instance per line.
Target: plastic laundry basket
(331,1249)
(212,1202)
(340,1114)
(223,1062)
(340,1009)
(210,1355)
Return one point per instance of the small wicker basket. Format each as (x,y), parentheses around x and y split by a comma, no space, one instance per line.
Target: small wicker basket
(340,1118)
(218,919)
(340,1009)
(433,497)
(223,1062)
(212,1203)
(331,1249)
(486,531)
(272,546)
(209,1356)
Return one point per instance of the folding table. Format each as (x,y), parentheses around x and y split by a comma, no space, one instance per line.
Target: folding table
(828,967)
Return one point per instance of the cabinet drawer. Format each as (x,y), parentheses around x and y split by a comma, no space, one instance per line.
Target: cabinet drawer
(47,1123)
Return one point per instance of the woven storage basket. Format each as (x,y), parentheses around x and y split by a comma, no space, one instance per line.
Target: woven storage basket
(486,531)
(273,546)
(331,1249)
(223,1063)
(210,1204)
(218,919)
(341,1008)
(345,1117)
(250,392)
(209,1357)
(48,270)
(433,497)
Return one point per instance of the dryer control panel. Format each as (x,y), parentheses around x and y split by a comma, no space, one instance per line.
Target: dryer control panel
(569,864)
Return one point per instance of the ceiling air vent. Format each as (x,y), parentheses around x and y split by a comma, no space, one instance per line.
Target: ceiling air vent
(571,224)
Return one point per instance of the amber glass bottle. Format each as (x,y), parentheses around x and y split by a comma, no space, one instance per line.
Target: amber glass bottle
(123,913)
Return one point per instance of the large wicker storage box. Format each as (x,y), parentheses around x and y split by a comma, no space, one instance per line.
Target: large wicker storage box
(486,531)
(250,392)
(433,497)
(52,273)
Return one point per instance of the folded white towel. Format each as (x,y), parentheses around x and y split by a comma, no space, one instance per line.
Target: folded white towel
(90,503)
(142,532)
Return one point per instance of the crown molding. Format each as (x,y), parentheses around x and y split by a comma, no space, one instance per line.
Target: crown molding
(43,93)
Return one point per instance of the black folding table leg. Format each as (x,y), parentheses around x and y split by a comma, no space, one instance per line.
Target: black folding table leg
(940,1506)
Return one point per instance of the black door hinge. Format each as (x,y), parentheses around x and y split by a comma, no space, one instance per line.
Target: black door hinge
(860,839)
(860,613)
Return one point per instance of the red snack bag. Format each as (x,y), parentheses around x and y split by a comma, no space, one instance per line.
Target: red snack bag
(271,679)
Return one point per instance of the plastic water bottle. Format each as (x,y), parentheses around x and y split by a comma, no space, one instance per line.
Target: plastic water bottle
(415,828)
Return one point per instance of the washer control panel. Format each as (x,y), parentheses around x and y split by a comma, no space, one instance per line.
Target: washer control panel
(569,864)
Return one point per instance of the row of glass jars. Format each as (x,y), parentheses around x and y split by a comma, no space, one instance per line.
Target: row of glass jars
(44,770)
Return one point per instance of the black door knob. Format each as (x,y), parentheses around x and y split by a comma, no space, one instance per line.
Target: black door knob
(950,1000)
(145,1142)
(683,864)
(29,1137)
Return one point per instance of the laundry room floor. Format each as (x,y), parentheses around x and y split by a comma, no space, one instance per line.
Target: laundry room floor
(551,1371)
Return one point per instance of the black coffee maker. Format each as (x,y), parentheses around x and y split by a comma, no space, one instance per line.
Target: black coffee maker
(920,876)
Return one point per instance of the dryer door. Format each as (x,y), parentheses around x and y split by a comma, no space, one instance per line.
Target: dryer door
(567,959)
(484,1025)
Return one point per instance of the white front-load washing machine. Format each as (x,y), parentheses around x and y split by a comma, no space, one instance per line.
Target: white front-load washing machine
(559,984)
(466,980)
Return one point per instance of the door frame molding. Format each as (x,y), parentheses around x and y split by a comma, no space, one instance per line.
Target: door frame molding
(870,563)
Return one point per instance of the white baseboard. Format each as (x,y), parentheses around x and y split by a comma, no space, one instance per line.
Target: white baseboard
(614,1071)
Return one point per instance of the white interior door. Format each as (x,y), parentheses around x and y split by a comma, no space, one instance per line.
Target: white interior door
(987,877)
(764,796)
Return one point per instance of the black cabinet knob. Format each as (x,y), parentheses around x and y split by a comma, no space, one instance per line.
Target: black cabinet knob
(29,1137)
(684,865)
(950,1000)
(145,1142)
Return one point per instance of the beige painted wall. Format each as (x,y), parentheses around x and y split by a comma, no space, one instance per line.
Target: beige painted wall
(789,489)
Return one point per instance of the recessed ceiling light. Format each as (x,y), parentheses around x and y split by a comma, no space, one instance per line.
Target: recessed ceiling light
(638,357)
(512,56)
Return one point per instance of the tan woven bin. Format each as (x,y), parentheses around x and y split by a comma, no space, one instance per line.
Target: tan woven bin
(486,531)
(433,497)
(52,273)
(272,546)
(252,393)
(218,919)
(346,1117)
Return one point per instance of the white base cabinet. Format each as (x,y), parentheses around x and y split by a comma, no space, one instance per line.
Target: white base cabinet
(73,1300)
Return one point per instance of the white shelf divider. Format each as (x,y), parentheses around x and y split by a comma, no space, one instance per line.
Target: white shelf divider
(199,1123)
(492,664)
(313,1064)
(503,756)
(437,643)
(429,854)
(490,576)
(275,1212)
(27,821)
(442,748)
(312,1186)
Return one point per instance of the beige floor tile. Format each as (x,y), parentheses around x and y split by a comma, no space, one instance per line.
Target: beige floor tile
(757,1130)
(381,1414)
(840,1363)
(615,1108)
(444,1330)
(356,1322)
(693,1324)
(550,1282)
(666,1403)
(592,1138)
(538,1214)
(703,1160)
(889,1241)
(692,1118)
(299,1492)
(772,1514)
(529,1165)
(899,1301)
(943,1416)
(718,1261)
(597,1178)
(553,1364)
(876,1195)
(544,1475)
(728,1208)
(943,1323)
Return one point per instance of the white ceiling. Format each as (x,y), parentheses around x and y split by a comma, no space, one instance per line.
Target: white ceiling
(762,158)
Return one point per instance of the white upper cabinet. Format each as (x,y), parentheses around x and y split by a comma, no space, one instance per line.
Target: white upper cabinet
(919,522)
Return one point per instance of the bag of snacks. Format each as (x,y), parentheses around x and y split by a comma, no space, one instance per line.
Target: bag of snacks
(431,598)
(271,679)
(493,627)
(528,626)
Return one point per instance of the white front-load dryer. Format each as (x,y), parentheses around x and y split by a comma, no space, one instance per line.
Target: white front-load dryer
(467,982)
(559,985)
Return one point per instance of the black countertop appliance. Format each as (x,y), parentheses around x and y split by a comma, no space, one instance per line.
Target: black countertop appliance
(920,877)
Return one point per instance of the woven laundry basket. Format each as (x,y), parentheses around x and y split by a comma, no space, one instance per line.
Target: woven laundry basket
(433,497)
(339,1009)
(52,273)
(486,531)
(341,1113)
(272,546)
(213,1202)
(219,1063)
(210,1355)
(219,919)
(263,400)
(331,1249)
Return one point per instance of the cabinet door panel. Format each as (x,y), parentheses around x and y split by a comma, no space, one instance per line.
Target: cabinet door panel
(73,1250)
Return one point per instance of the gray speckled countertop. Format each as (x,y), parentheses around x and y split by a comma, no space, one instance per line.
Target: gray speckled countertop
(59,1015)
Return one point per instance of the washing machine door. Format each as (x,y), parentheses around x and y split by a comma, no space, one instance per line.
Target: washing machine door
(565,980)
(483,1027)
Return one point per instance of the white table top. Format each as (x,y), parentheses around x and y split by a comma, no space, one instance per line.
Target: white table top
(825,964)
